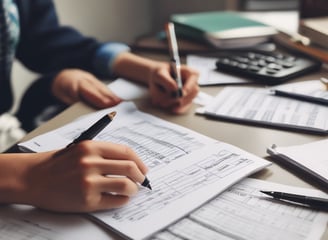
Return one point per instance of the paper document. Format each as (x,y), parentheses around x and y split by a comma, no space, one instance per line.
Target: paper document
(21,222)
(207,73)
(312,91)
(309,157)
(243,212)
(259,106)
(128,90)
(203,99)
(186,168)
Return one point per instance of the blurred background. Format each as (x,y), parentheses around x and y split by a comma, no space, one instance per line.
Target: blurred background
(125,20)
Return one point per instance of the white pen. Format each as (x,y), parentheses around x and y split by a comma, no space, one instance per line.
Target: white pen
(175,59)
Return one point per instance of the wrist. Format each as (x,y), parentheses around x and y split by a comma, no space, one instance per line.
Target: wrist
(105,57)
(134,67)
(14,187)
(154,70)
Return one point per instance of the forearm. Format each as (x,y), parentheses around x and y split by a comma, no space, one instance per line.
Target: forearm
(131,66)
(12,172)
(9,180)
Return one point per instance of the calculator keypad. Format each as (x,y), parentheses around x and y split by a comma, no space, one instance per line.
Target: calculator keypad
(268,68)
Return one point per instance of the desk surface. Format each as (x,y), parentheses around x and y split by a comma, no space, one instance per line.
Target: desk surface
(250,138)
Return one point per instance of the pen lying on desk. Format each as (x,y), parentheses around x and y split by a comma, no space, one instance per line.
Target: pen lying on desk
(92,131)
(175,59)
(315,202)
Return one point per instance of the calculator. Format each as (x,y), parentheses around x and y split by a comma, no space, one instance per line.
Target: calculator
(269,68)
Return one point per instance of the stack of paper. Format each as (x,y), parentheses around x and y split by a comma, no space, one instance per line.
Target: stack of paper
(259,106)
(186,168)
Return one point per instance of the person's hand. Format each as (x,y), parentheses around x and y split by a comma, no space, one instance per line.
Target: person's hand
(162,86)
(73,85)
(85,177)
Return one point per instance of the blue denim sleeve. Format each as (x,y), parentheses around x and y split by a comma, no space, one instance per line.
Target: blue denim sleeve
(105,56)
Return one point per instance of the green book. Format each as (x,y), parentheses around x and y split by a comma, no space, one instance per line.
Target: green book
(222,29)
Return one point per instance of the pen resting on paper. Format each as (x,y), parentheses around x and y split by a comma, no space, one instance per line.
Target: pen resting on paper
(315,202)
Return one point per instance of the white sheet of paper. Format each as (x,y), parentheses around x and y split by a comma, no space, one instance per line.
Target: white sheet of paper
(313,88)
(311,155)
(19,222)
(242,204)
(243,212)
(186,168)
(203,99)
(257,104)
(207,73)
(128,90)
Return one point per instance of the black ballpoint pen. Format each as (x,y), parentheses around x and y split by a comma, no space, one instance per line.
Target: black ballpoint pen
(175,59)
(315,202)
(92,131)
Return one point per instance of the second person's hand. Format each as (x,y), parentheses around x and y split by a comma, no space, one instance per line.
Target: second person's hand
(73,85)
(162,88)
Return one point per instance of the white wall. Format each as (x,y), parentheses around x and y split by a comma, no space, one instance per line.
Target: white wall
(119,20)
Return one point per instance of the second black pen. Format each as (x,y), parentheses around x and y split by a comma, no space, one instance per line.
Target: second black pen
(315,202)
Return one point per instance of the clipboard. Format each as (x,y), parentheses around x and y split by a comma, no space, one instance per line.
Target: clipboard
(299,163)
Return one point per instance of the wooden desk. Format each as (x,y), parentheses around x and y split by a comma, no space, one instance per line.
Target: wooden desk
(250,138)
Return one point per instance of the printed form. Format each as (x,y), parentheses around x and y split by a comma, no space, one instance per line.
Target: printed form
(243,212)
(257,105)
(22,222)
(24,229)
(186,168)
(208,75)
(313,88)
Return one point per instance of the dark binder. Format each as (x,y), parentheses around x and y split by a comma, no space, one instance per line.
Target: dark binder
(298,167)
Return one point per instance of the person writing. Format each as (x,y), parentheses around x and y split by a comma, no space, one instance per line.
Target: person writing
(74,179)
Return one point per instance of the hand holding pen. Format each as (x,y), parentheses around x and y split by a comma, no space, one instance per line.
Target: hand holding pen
(175,58)
(173,85)
(86,176)
(96,128)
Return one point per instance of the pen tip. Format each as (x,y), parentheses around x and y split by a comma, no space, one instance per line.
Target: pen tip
(266,192)
(112,114)
(146,184)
